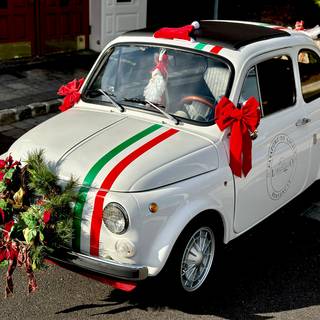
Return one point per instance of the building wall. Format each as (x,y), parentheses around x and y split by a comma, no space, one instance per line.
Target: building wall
(95,24)
(38,27)
(111,18)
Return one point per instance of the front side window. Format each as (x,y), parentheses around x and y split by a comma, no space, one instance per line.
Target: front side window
(186,85)
(250,87)
(271,82)
(309,68)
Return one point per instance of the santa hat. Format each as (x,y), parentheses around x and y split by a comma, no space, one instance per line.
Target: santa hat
(177,33)
(299,25)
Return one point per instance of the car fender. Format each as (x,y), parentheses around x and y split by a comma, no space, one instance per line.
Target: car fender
(203,193)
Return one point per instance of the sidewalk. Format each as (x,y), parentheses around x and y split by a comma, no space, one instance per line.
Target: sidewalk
(30,88)
(10,133)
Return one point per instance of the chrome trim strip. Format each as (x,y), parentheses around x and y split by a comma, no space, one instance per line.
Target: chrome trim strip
(101,266)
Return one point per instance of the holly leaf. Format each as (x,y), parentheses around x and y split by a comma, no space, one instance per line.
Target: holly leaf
(29,218)
(3,204)
(34,233)
(3,187)
(34,265)
(41,236)
(18,197)
(4,264)
(28,235)
(9,174)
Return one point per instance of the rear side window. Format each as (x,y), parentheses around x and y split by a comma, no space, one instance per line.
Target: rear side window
(309,67)
(271,82)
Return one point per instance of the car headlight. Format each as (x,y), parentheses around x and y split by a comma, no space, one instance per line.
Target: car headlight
(115,218)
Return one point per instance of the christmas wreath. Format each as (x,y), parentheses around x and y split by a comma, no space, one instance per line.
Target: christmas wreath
(35,215)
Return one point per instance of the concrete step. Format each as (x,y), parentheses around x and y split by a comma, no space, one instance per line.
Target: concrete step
(29,88)
(20,113)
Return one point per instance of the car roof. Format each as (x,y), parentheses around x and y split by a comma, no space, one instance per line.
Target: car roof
(229,34)
(234,35)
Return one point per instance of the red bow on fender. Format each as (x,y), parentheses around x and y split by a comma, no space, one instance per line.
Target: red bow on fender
(71,93)
(241,122)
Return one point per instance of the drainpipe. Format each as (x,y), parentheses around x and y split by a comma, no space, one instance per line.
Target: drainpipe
(216,9)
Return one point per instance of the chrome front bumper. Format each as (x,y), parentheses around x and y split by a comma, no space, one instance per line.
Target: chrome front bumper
(105,267)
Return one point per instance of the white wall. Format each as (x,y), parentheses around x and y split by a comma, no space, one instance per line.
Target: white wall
(95,23)
(110,18)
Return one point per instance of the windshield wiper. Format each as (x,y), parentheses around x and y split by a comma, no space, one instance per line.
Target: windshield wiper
(144,102)
(109,96)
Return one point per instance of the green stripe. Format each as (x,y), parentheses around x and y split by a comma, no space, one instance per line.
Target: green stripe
(83,192)
(200,46)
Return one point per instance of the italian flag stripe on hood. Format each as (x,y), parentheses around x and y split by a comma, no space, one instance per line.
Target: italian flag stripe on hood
(91,175)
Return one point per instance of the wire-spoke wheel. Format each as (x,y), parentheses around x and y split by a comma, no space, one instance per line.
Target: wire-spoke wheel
(197,259)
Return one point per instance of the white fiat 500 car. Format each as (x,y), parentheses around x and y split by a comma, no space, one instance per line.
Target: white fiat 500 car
(156,188)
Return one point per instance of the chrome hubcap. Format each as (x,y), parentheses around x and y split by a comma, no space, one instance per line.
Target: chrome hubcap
(197,259)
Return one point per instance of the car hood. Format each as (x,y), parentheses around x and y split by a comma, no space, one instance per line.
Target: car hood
(117,152)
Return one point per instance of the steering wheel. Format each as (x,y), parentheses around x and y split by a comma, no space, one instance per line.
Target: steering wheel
(190,99)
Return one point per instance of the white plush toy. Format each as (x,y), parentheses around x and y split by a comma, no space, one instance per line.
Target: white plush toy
(156,87)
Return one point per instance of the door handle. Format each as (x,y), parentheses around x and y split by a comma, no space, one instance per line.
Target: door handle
(302,122)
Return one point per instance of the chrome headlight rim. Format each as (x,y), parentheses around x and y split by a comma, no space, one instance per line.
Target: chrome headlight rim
(124,216)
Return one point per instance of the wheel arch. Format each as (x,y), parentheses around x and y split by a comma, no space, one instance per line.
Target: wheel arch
(213,217)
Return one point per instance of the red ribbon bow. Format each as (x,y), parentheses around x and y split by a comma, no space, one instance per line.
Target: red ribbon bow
(71,93)
(17,255)
(241,122)
(175,33)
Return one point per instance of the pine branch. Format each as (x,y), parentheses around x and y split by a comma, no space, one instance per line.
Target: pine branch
(42,180)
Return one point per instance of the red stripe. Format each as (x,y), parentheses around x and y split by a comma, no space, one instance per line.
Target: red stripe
(279,28)
(121,285)
(216,49)
(108,182)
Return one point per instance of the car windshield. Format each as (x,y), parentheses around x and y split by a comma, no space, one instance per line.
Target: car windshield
(183,84)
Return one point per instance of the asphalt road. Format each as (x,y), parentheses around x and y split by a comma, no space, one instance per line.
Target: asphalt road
(270,273)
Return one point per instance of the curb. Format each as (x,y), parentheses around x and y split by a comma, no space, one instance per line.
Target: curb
(19,113)
(85,56)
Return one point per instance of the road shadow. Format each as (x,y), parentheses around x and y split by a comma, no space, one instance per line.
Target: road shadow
(5,143)
(273,268)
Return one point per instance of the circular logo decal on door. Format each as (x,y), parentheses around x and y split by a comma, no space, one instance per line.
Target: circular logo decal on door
(281,165)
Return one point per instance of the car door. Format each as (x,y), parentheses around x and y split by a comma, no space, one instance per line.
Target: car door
(280,153)
(308,61)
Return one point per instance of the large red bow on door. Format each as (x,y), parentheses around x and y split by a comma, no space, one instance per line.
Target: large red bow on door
(71,93)
(241,122)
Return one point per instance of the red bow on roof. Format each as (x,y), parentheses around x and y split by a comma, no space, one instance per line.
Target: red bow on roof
(241,122)
(177,33)
(71,93)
